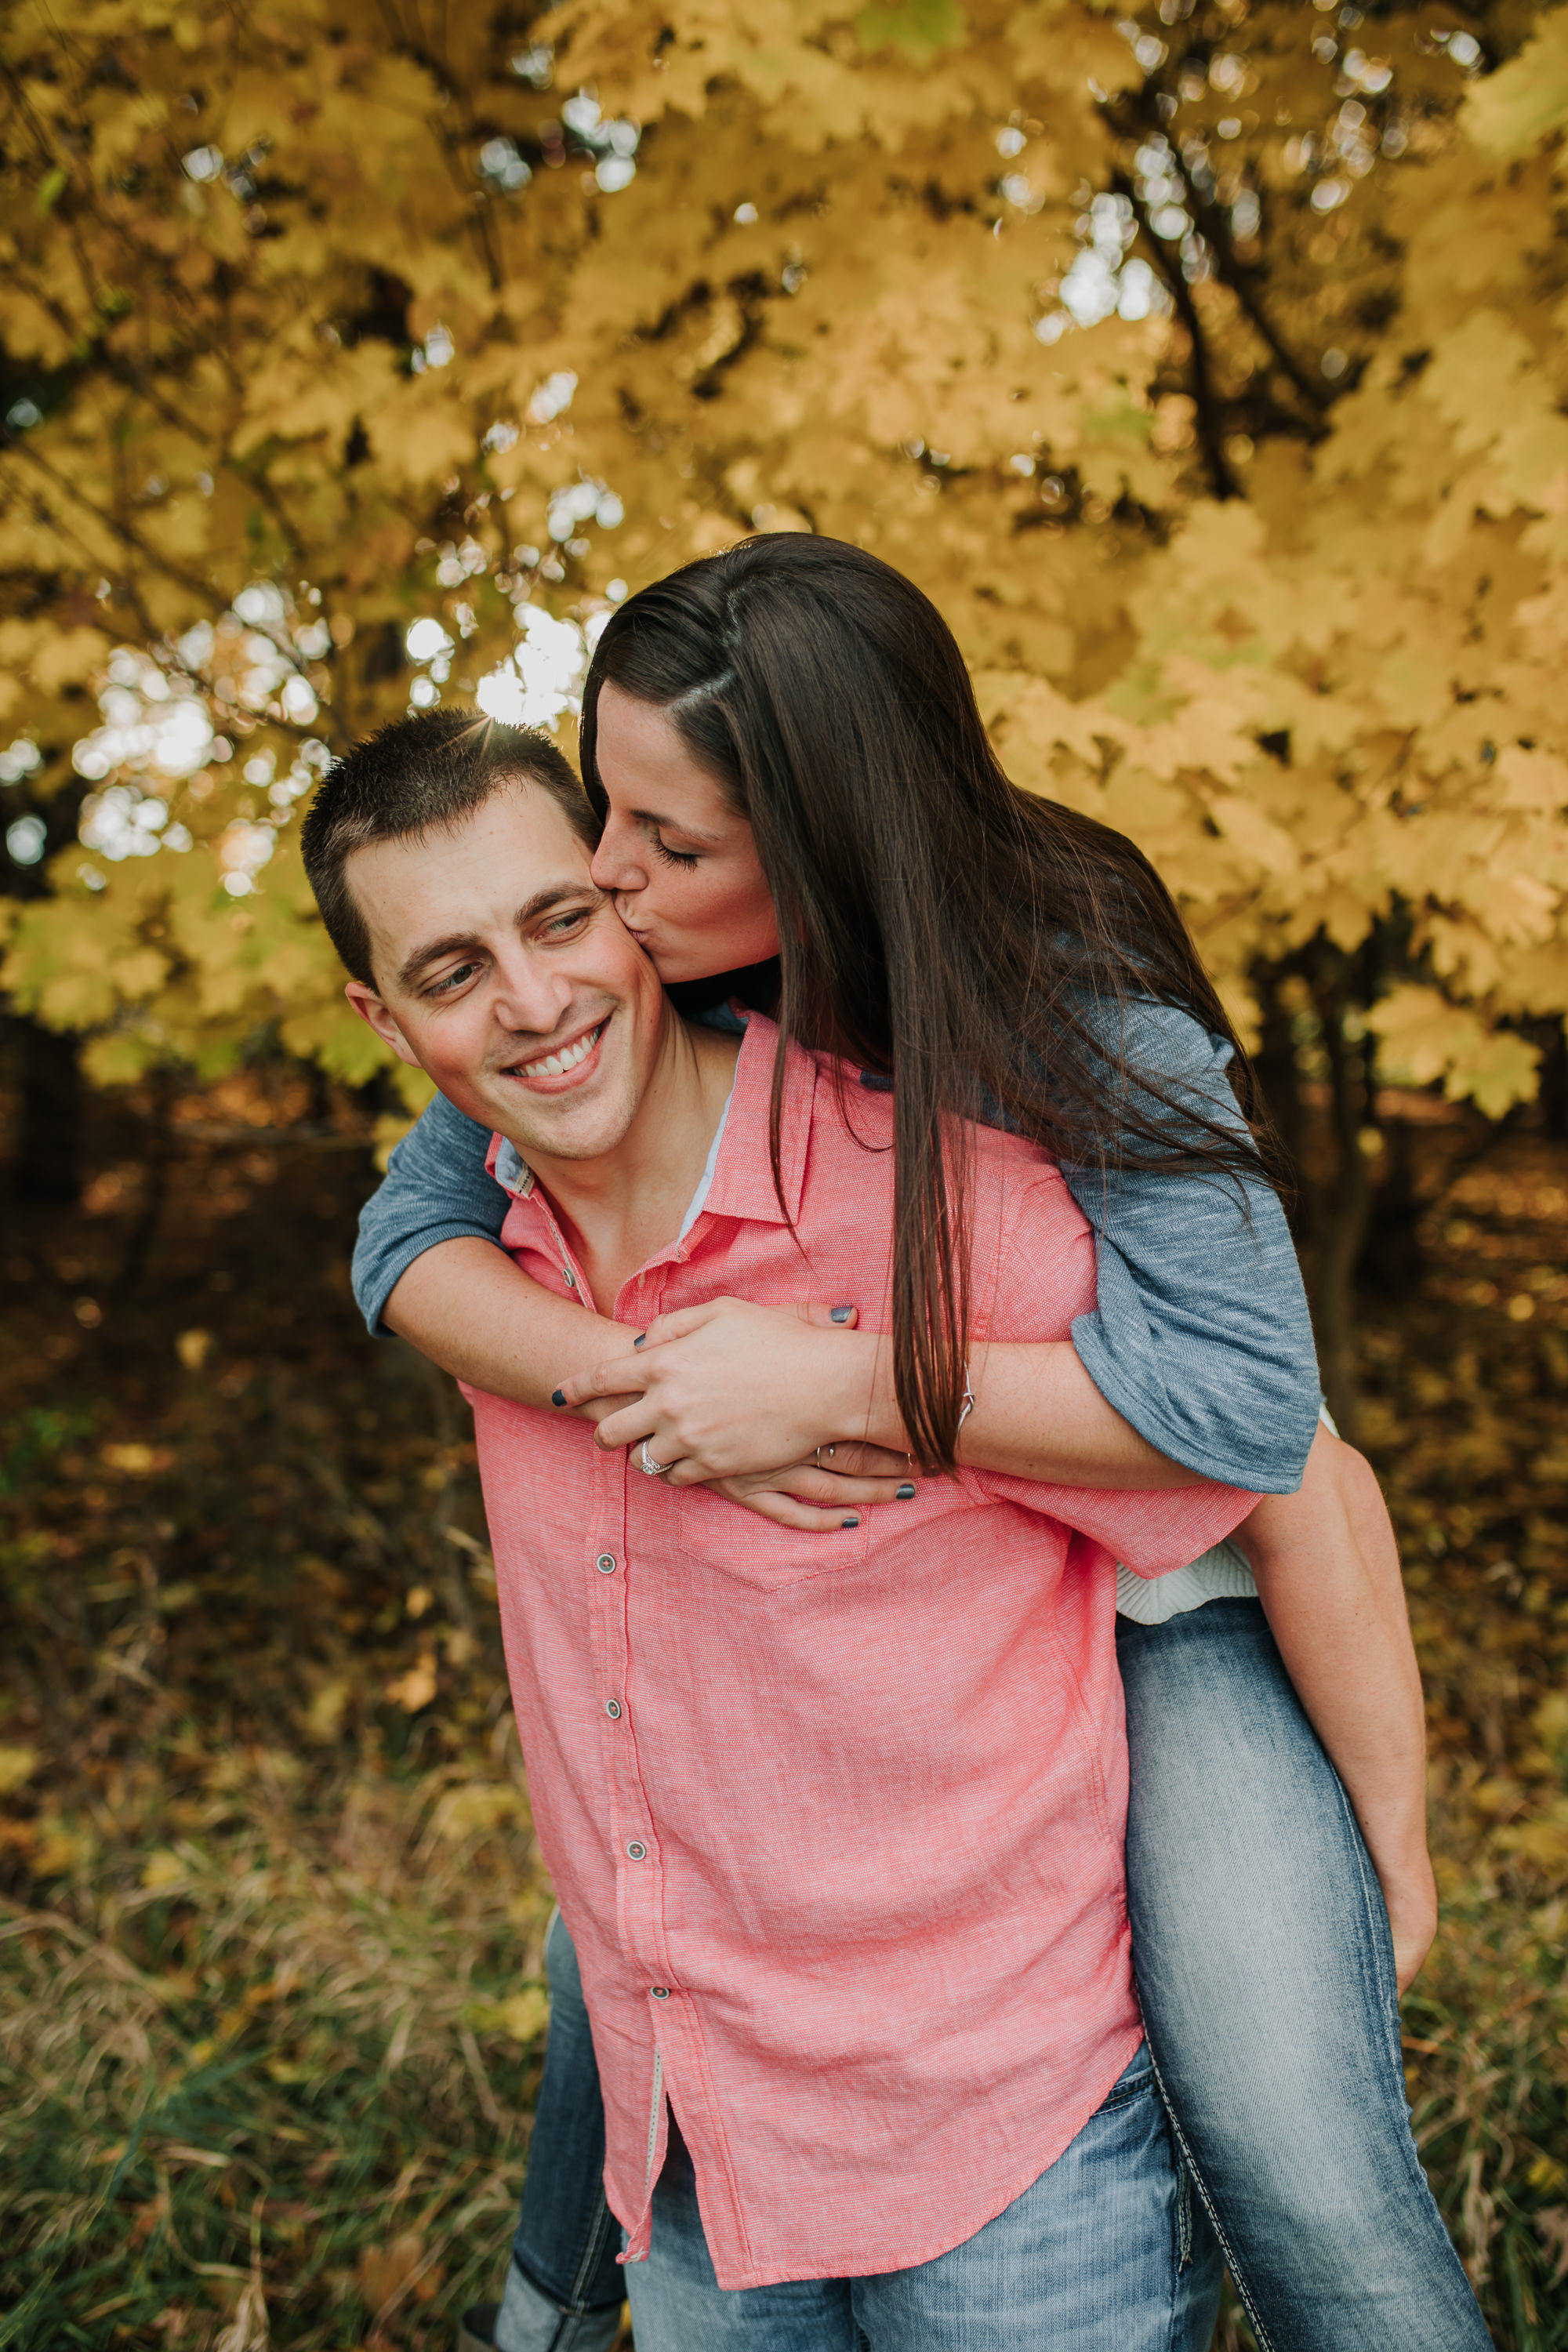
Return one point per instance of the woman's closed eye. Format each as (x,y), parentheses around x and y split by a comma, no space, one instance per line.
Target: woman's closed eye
(687,859)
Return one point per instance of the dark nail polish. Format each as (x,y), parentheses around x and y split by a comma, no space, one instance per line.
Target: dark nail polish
(557,1396)
(640,1338)
(850,1523)
(905,1495)
(841,1315)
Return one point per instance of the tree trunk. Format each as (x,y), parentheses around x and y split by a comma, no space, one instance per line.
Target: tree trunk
(1344,1208)
(1280,1078)
(143,1235)
(49,1143)
(1553,1095)
(1391,1260)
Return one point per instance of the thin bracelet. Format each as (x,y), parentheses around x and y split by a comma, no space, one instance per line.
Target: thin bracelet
(968,1406)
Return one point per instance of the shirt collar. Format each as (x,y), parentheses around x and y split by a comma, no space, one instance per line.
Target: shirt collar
(742,1183)
(508,1166)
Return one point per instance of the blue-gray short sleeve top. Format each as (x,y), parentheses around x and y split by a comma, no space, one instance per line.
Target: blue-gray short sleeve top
(1200,1336)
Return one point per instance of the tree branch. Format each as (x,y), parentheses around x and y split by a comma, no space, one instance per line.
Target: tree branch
(1210,429)
(1140,115)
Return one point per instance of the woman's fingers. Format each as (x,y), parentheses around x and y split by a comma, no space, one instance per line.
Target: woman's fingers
(598,1410)
(843,1316)
(736,1389)
(682,1323)
(632,1421)
(811,1485)
(617,1376)
(854,1459)
(784,1510)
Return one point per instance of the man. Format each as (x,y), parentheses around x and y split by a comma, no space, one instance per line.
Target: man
(835,1821)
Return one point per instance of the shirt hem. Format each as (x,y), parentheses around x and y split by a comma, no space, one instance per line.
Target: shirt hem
(731,2276)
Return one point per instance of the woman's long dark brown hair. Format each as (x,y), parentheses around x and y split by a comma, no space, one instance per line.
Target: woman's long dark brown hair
(936,923)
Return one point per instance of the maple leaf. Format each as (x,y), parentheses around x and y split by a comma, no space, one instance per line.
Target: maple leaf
(1214,385)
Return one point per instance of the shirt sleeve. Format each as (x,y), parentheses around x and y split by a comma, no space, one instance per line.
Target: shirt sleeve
(436,1188)
(1150,1530)
(1200,1335)
(1046,1263)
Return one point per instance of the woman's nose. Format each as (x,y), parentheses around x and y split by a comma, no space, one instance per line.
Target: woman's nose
(619,863)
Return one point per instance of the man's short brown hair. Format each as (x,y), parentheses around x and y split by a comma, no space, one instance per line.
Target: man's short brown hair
(420,775)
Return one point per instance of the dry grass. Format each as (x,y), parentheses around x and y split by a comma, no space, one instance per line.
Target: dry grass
(270,1946)
(271,1997)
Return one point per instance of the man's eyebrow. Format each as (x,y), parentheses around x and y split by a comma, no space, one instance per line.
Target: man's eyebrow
(678,825)
(457,942)
(412,966)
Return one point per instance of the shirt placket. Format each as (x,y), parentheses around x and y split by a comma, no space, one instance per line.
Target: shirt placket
(633,1835)
(639,1860)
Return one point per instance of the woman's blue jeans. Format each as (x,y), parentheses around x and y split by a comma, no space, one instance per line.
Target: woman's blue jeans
(1266,1971)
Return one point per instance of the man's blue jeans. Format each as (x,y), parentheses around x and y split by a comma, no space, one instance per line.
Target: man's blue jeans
(564,2287)
(1107,2253)
(1267,1976)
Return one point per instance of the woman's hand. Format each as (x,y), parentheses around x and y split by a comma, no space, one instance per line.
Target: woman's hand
(729,1390)
(849,1482)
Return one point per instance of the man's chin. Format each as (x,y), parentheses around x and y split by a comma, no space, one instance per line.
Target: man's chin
(578,1126)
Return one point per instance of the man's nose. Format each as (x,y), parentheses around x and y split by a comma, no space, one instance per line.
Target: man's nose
(620,861)
(529,994)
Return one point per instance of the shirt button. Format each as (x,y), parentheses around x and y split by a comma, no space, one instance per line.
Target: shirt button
(605,1563)
(637,1850)
(613,1707)
(659,1993)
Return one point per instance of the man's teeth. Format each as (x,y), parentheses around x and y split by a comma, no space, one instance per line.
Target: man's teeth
(554,1064)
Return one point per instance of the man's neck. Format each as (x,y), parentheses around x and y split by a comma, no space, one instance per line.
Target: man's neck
(620,1209)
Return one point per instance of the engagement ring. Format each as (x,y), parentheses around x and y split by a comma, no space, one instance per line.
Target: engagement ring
(648,1466)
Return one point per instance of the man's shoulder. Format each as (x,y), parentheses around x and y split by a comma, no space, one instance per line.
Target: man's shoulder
(854,1106)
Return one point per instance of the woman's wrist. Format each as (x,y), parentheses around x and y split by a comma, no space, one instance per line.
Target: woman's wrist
(863,1393)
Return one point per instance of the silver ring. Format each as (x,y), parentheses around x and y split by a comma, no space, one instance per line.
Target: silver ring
(831,1452)
(648,1466)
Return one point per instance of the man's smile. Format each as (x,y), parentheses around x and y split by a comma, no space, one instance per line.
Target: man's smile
(565,1066)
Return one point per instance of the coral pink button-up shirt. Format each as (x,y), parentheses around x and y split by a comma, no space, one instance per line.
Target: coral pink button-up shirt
(836,1821)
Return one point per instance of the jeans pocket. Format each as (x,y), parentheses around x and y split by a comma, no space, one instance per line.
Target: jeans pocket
(1136,2081)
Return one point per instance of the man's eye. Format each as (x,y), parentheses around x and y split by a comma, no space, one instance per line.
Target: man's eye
(562,924)
(687,859)
(451,980)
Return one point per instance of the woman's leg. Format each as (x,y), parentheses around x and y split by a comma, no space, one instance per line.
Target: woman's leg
(564,2288)
(1266,1971)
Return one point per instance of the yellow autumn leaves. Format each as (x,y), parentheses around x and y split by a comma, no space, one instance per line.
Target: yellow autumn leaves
(514,322)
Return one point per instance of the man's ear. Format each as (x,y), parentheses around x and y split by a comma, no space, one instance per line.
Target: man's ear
(369,1007)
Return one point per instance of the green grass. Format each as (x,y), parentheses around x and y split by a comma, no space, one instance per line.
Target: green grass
(271,1915)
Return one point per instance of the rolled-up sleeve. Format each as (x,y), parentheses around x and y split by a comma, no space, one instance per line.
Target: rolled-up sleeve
(436,1188)
(1200,1336)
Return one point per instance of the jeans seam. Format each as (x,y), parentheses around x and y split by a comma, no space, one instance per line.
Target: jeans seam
(1385,1988)
(575,2308)
(1237,2276)
(593,2247)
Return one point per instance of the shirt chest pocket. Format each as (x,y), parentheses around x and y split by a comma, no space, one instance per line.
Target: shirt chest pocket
(736,1542)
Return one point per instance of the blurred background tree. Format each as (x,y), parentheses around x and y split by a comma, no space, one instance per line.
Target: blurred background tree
(1206,364)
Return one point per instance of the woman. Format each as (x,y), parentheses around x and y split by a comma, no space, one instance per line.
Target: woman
(786,753)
